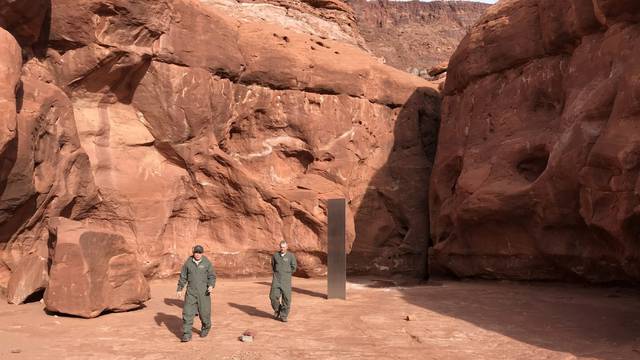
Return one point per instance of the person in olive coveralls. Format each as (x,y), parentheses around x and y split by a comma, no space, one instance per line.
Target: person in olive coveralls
(283,264)
(200,277)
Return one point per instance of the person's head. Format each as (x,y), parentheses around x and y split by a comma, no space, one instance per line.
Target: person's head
(283,246)
(197,252)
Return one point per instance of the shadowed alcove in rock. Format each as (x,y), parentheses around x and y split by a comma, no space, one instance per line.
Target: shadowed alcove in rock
(392,219)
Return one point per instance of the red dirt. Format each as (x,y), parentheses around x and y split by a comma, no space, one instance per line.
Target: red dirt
(453,320)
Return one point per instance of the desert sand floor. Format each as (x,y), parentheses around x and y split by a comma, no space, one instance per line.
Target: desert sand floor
(452,320)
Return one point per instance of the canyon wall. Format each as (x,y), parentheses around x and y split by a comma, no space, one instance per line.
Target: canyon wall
(156,125)
(415,36)
(536,175)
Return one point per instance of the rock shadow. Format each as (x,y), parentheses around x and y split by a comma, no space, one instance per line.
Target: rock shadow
(103,313)
(599,323)
(392,220)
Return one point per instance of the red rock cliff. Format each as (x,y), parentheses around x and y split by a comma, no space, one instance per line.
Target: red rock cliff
(536,175)
(414,36)
(156,125)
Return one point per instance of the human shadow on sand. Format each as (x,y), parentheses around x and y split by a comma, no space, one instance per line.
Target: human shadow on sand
(299,290)
(251,310)
(173,323)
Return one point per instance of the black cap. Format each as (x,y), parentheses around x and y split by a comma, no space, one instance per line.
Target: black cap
(198,249)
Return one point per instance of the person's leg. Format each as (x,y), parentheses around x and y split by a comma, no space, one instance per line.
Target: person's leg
(274,296)
(188,312)
(286,303)
(204,309)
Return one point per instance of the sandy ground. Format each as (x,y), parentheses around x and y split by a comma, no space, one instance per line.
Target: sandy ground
(453,320)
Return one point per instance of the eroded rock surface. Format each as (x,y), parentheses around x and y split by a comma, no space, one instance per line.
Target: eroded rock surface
(536,175)
(30,277)
(10,64)
(328,19)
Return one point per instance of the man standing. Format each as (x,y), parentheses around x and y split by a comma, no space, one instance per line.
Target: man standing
(200,277)
(283,264)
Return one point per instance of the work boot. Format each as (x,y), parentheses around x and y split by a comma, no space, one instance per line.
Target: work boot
(204,332)
(276,314)
(186,338)
(283,319)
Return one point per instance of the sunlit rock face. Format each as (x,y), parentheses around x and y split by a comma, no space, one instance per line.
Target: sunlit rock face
(156,125)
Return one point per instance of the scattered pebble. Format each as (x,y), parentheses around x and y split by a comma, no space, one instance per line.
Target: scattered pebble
(410,318)
(16,351)
(246,338)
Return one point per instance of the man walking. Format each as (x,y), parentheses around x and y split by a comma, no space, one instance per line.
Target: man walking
(283,264)
(200,277)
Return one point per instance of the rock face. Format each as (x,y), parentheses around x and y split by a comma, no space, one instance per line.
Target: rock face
(26,20)
(414,36)
(154,125)
(328,19)
(10,64)
(93,271)
(45,172)
(30,277)
(411,36)
(536,175)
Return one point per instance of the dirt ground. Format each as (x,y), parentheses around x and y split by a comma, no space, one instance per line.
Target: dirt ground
(451,320)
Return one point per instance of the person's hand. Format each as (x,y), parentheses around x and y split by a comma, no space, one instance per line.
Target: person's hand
(210,289)
(180,294)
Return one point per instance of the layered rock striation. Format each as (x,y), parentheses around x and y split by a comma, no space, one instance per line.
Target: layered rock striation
(414,36)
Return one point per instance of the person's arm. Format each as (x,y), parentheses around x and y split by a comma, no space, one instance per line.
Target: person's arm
(294,263)
(273,263)
(211,277)
(182,281)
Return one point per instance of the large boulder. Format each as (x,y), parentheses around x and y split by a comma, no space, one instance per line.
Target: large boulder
(536,175)
(93,271)
(30,277)
(10,65)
